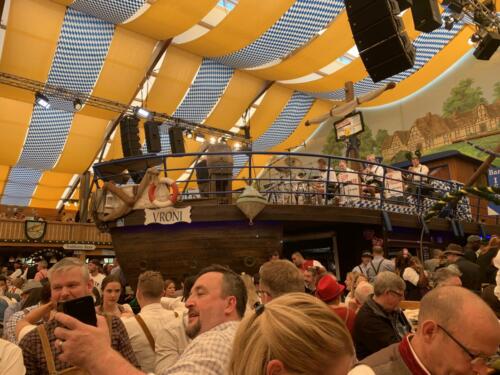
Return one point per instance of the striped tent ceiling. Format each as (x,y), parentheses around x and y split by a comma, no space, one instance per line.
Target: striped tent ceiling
(222,56)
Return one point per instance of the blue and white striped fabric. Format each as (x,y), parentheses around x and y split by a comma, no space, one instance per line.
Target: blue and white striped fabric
(114,11)
(82,47)
(288,120)
(427,46)
(19,189)
(304,20)
(47,135)
(207,88)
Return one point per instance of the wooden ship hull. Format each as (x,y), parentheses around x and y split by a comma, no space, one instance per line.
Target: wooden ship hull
(222,234)
(198,230)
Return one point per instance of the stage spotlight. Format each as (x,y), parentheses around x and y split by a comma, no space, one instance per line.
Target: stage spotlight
(475,37)
(213,140)
(223,140)
(237,146)
(448,22)
(143,113)
(199,138)
(42,100)
(189,134)
(77,104)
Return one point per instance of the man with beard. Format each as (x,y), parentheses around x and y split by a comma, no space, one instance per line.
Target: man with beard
(215,307)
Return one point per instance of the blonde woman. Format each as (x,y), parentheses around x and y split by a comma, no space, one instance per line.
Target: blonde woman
(253,298)
(293,334)
(352,280)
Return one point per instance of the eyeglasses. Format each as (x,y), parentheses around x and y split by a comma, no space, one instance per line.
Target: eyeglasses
(399,294)
(474,357)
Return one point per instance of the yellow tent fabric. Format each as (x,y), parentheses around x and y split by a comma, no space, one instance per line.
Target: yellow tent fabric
(246,22)
(317,54)
(34,27)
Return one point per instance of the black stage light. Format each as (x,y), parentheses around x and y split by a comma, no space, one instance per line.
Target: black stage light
(77,104)
(448,22)
(487,46)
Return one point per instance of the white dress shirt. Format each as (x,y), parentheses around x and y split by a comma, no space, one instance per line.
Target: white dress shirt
(171,344)
(157,320)
(11,359)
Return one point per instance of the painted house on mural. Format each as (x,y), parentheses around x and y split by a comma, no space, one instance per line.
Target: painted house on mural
(432,130)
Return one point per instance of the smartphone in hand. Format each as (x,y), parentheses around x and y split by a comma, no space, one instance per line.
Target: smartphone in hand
(80,308)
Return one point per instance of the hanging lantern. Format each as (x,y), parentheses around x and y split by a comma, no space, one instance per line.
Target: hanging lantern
(251,203)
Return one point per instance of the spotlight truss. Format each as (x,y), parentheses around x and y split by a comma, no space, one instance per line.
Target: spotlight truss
(44,91)
(486,21)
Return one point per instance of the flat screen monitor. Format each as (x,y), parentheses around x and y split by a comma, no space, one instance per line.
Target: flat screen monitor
(351,124)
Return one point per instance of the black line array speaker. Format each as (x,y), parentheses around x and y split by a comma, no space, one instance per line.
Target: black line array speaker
(379,33)
(152,133)
(426,15)
(405,4)
(176,140)
(487,46)
(129,131)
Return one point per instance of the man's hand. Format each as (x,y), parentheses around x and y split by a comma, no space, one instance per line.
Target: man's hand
(89,347)
(81,344)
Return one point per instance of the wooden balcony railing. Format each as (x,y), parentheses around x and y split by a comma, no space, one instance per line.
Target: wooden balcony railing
(56,232)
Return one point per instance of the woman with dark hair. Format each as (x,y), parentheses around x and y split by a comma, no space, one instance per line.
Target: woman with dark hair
(416,279)
(402,262)
(111,290)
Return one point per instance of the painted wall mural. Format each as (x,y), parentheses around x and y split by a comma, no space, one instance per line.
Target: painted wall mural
(462,105)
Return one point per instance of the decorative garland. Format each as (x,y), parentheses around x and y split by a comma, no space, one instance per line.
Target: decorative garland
(486,192)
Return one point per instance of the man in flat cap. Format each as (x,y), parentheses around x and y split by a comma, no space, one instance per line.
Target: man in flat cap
(470,271)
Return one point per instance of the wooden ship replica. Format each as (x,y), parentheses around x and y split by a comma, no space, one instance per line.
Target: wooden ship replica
(238,215)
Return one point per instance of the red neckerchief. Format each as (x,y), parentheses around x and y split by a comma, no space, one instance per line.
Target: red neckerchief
(409,359)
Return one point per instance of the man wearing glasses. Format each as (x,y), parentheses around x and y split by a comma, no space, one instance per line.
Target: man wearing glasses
(380,322)
(456,334)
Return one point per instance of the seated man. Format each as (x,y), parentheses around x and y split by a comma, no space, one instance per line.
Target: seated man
(328,185)
(456,331)
(380,322)
(372,176)
(417,179)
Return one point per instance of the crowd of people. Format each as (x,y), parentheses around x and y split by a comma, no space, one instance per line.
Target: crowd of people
(293,317)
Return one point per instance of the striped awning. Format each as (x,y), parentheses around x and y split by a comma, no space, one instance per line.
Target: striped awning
(279,62)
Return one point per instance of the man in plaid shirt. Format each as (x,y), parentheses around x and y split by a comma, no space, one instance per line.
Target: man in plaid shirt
(69,279)
(216,305)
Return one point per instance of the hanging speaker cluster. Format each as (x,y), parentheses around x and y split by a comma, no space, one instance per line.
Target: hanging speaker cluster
(380,36)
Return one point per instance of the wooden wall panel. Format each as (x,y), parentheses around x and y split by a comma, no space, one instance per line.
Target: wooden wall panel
(187,248)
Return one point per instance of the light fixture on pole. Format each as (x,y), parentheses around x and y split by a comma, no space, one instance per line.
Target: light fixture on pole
(42,100)
(77,104)
(143,113)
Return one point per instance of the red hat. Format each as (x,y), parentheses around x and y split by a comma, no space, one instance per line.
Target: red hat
(328,288)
